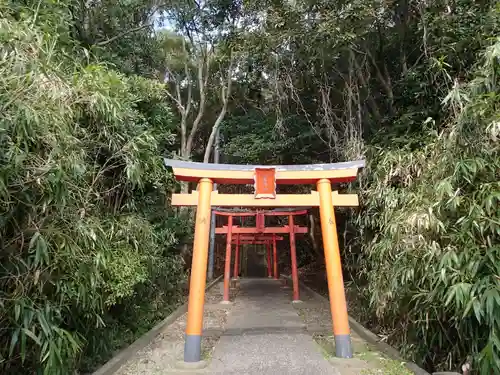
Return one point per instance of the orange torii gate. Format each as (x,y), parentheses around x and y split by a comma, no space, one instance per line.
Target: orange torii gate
(261,229)
(265,179)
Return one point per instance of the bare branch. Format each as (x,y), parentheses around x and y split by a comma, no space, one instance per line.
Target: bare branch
(226,93)
(385,81)
(298,101)
(177,103)
(202,82)
(188,79)
(121,35)
(177,99)
(371,102)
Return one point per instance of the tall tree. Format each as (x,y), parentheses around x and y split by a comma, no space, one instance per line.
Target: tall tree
(200,61)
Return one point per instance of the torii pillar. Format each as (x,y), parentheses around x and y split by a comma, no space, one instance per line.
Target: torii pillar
(236,270)
(293,253)
(275,259)
(269,261)
(196,299)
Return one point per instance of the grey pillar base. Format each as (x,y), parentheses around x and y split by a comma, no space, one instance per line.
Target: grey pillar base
(343,346)
(235,283)
(191,365)
(192,348)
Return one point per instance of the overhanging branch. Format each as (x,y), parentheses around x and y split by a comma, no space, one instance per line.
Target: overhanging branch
(122,34)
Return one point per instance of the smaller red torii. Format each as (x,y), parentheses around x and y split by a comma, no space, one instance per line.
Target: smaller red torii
(258,239)
(260,230)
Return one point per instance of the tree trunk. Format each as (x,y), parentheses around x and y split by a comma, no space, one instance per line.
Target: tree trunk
(384,81)
(371,102)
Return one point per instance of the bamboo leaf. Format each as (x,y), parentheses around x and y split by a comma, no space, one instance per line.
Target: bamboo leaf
(13,341)
(32,336)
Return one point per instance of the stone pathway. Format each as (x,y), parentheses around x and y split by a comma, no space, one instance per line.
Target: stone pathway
(265,336)
(260,333)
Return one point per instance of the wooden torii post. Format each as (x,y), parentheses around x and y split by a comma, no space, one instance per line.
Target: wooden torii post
(265,179)
(260,228)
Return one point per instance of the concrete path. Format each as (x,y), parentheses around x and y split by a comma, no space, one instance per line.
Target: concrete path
(260,333)
(265,335)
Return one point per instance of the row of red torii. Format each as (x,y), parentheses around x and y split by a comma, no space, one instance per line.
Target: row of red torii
(260,234)
(265,179)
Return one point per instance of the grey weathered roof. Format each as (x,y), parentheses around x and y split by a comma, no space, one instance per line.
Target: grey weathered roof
(239,167)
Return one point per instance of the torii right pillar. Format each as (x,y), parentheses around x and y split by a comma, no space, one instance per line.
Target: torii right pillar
(338,306)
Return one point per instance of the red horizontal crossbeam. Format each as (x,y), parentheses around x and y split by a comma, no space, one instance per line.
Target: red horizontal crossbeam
(252,242)
(258,237)
(266,230)
(265,213)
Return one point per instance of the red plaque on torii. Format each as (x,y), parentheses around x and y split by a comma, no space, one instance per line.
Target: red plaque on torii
(265,183)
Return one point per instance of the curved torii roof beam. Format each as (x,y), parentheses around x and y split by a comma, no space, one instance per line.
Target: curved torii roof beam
(285,174)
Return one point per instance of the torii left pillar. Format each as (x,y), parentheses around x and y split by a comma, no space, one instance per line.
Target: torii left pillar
(236,270)
(269,262)
(275,259)
(293,254)
(192,346)
(227,265)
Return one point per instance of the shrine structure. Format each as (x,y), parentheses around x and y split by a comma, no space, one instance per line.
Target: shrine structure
(268,241)
(261,230)
(265,179)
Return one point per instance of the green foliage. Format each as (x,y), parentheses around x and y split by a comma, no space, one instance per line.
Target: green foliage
(253,137)
(432,228)
(85,229)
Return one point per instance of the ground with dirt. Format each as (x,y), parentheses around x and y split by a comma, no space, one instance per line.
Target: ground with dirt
(161,356)
(261,332)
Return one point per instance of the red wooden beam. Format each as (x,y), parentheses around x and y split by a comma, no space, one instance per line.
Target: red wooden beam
(227,265)
(266,213)
(266,230)
(236,271)
(275,258)
(257,237)
(251,242)
(260,221)
(269,264)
